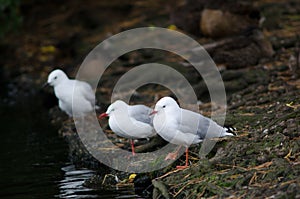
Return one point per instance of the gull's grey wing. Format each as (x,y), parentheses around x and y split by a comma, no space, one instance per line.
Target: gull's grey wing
(141,113)
(202,126)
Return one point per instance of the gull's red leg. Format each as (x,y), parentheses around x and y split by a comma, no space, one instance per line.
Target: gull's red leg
(173,156)
(186,160)
(132,147)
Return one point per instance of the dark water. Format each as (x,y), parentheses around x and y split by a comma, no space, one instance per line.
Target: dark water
(34,159)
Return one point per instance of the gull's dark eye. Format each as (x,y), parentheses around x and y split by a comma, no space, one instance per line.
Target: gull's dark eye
(164,106)
(55,77)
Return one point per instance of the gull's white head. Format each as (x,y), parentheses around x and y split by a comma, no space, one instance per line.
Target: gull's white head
(56,77)
(166,104)
(117,106)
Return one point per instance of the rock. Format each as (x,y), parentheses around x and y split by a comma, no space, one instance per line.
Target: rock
(215,18)
(143,185)
(244,50)
(186,19)
(219,23)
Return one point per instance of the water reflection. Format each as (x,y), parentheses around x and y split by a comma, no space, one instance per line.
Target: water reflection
(34,159)
(71,186)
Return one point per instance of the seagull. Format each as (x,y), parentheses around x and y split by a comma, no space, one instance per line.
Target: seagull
(78,102)
(132,122)
(183,127)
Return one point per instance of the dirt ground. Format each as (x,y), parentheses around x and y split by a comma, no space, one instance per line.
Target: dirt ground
(262,161)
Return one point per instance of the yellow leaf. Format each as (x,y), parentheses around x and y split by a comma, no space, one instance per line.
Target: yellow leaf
(48,49)
(132,176)
(172,27)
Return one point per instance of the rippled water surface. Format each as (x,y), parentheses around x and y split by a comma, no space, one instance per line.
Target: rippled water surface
(34,159)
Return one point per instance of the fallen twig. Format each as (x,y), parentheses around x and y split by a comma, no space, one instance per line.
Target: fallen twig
(182,188)
(253,179)
(259,167)
(169,173)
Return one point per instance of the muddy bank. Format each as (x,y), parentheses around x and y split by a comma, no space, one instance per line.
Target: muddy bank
(263,93)
(261,161)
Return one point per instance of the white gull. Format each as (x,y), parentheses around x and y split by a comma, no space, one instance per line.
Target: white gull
(129,121)
(183,127)
(74,97)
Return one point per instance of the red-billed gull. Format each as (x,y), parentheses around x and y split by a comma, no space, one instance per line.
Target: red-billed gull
(183,127)
(129,121)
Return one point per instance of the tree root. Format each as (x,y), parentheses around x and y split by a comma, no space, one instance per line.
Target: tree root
(160,188)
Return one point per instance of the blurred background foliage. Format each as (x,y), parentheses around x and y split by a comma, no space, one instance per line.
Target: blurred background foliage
(10,17)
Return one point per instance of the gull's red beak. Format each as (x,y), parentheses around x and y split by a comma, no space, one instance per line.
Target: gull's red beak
(153,112)
(103,115)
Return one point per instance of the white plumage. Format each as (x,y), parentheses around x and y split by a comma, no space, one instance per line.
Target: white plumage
(183,127)
(74,97)
(132,122)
